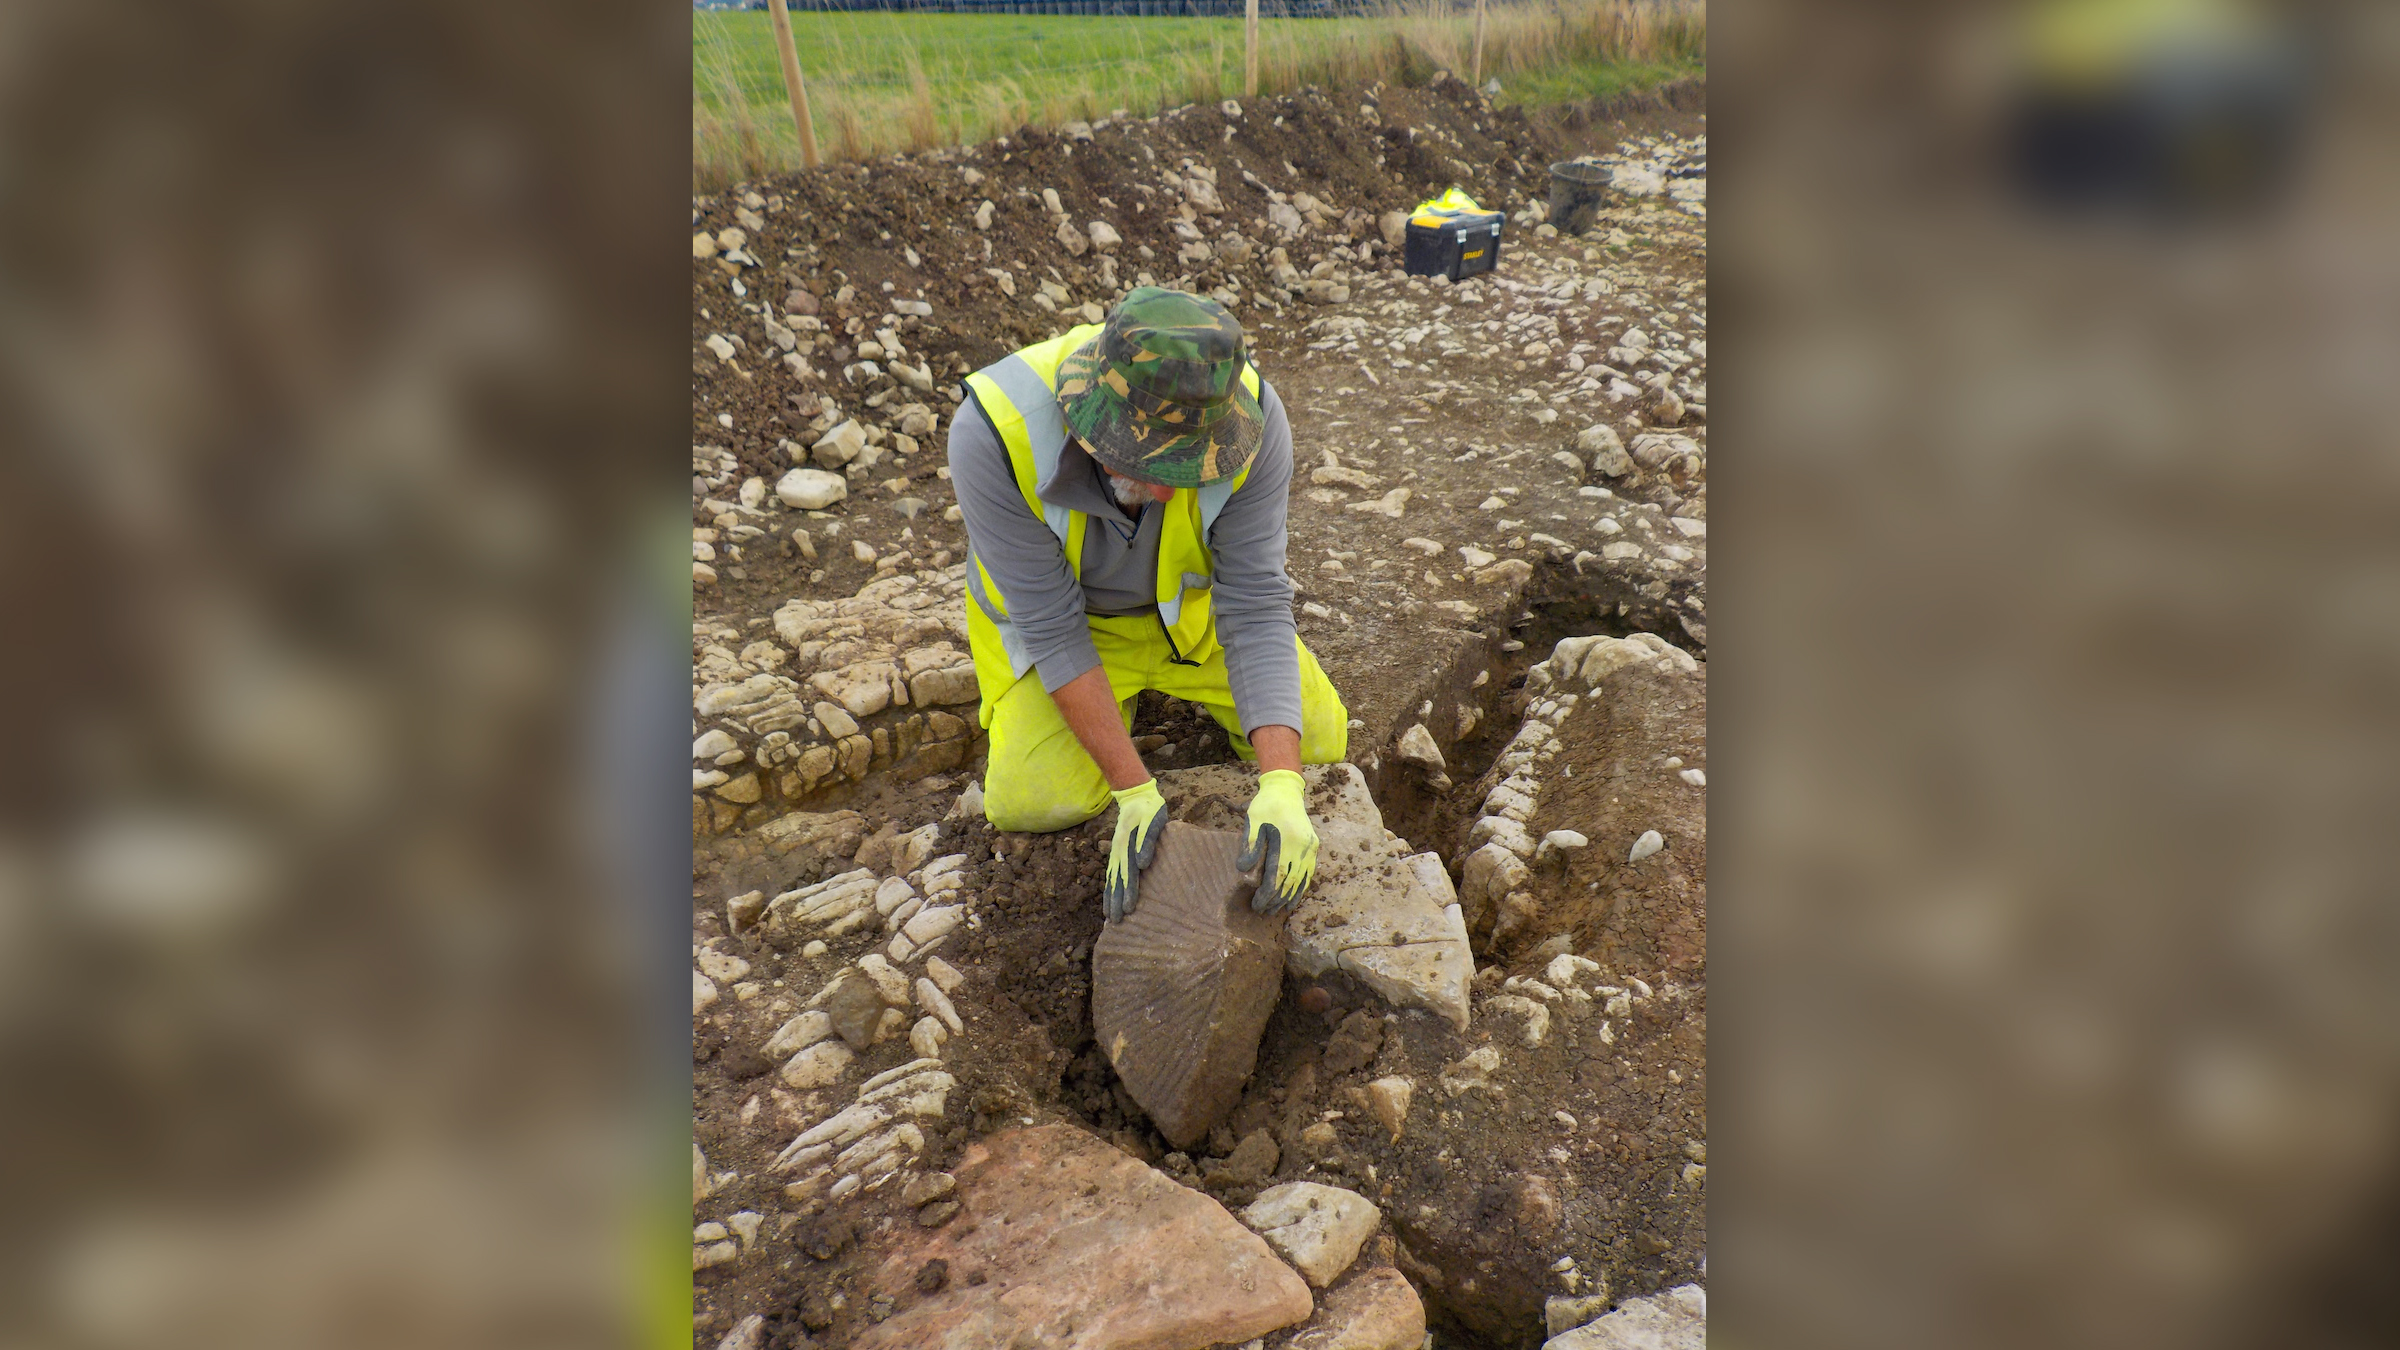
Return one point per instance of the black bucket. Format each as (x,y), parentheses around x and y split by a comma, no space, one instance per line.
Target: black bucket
(1575,194)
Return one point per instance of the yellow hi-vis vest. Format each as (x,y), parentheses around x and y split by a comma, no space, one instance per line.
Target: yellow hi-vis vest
(1018,393)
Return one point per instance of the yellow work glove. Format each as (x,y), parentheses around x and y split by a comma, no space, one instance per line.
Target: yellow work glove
(1141,821)
(1281,834)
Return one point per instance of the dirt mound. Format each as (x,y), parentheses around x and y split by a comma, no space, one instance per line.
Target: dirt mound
(850,237)
(1645,109)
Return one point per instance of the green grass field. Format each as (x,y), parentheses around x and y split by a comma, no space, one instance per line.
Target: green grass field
(964,57)
(882,81)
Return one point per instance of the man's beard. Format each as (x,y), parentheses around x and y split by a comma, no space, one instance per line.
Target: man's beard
(1131,496)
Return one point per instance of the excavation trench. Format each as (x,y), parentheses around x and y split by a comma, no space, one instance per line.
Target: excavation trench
(1487,677)
(1477,1229)
(1329,1035)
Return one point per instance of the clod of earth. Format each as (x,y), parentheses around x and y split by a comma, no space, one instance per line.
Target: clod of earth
(1181,988)
(1251,1162)
(928,1188)
(1354,1044)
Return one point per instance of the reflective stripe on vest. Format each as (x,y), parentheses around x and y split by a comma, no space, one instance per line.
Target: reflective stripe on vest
(1029,396)
(1018,394)
(1012,641)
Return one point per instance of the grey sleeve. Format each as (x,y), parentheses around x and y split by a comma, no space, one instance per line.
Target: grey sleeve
(1024,558)
(1253,596)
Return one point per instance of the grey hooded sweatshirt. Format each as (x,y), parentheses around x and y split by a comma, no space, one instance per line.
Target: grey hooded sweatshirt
(1253,597)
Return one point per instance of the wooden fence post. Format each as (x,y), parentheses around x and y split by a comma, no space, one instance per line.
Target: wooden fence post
(781,19)
(1250,39)
(1478,43)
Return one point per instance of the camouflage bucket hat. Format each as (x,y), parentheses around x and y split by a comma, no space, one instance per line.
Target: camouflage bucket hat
(1158,395)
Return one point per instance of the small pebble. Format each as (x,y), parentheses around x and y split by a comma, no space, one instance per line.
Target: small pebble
(1561,841)
(1649,843)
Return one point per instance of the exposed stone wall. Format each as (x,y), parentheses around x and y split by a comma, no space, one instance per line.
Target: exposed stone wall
(844,688)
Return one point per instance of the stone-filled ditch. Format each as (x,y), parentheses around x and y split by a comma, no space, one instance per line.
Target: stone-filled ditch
(1485,680)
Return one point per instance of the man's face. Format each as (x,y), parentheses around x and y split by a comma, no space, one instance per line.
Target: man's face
(1132,490)
(1129,492)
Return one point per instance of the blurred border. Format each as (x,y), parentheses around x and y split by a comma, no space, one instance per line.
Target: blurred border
(2053,706)
(341,374)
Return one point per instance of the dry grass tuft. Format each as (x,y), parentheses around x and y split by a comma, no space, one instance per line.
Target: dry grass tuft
(922,121)
(1100,64)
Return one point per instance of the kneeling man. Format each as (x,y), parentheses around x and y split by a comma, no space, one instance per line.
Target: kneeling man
(1125,489)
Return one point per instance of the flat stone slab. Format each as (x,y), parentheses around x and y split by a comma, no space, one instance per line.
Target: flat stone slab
(1182,987)
(1396,926)
(1674,1320)
(1373,1310)
(1378,911)
(1317,1228)
(1079,1247)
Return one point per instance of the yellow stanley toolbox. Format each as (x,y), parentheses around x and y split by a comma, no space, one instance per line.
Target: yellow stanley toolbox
(1450,236)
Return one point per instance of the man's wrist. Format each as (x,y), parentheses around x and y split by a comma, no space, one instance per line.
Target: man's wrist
(1277,746)
(1124,769)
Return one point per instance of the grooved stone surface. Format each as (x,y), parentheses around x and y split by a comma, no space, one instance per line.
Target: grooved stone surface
(1181,988)
(1079,1247)
(1384,915)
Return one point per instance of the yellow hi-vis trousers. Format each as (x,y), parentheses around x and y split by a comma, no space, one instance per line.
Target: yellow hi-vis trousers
(1039,777)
